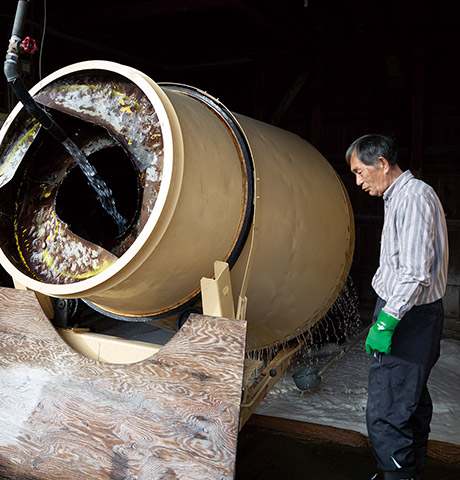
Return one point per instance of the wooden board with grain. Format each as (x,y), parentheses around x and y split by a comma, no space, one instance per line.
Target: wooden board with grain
(65,416)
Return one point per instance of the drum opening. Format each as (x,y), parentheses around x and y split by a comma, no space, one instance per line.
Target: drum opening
(77,204)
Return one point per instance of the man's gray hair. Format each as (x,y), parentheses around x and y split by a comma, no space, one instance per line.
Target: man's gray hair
(369,148)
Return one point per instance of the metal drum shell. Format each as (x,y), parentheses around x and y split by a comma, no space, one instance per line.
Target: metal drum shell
(304,236)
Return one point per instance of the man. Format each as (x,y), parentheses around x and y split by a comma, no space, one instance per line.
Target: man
(410,282)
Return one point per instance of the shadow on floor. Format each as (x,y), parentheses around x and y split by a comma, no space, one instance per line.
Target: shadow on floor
(267,455)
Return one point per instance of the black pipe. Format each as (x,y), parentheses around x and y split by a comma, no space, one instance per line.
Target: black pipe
(10,69)
(20,18)
(15,81)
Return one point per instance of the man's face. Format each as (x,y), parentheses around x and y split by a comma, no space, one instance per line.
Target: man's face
(372,180)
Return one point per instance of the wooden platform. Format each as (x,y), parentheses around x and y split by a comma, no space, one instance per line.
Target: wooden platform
(66,416)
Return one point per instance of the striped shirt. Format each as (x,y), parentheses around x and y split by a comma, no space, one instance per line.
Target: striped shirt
(414,249)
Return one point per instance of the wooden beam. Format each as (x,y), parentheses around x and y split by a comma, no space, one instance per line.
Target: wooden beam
(141,10)
(444,451)
(294,88)
(309,431)
(63,415)
(417,113)
(316,98)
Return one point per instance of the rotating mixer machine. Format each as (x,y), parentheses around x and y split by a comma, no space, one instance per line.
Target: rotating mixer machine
(197,184)
(185,172)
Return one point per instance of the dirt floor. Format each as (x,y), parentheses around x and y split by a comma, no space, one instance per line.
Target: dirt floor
(265,454)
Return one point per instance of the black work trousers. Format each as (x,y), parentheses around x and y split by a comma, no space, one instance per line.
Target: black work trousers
(399,406)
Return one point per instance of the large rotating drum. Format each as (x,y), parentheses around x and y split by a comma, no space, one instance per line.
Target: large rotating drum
(186,174)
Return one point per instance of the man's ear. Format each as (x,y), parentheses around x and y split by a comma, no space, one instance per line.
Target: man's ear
(383,163)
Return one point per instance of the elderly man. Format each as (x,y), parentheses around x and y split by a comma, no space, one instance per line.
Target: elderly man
(410,282)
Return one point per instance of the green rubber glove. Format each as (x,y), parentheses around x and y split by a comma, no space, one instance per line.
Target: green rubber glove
(379,336)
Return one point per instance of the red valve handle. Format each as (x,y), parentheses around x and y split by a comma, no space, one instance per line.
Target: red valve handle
(30,45)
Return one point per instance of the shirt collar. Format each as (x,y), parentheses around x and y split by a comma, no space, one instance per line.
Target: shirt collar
(397,185)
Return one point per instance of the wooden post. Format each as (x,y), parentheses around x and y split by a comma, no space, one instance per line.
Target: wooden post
(416,145)
(63,415)
(290,95)
(316,101)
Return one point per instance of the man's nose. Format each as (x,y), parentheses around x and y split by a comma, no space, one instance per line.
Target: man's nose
(359,180)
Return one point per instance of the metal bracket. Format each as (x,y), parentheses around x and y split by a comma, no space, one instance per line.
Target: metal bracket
(216,294)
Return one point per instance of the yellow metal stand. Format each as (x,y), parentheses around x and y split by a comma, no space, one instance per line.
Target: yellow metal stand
(217,296)
(258,390)
(217,300)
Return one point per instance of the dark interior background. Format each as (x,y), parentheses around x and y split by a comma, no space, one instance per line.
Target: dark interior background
(328,70)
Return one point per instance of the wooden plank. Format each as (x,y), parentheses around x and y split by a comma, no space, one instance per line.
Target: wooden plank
(63,415)
(444,451)
(309,431)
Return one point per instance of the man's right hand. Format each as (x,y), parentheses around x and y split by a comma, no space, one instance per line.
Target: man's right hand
(381,333)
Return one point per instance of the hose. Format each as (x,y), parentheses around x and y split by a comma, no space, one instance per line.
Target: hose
(15,81)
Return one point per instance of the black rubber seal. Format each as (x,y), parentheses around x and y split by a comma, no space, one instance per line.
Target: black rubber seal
(231,121)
